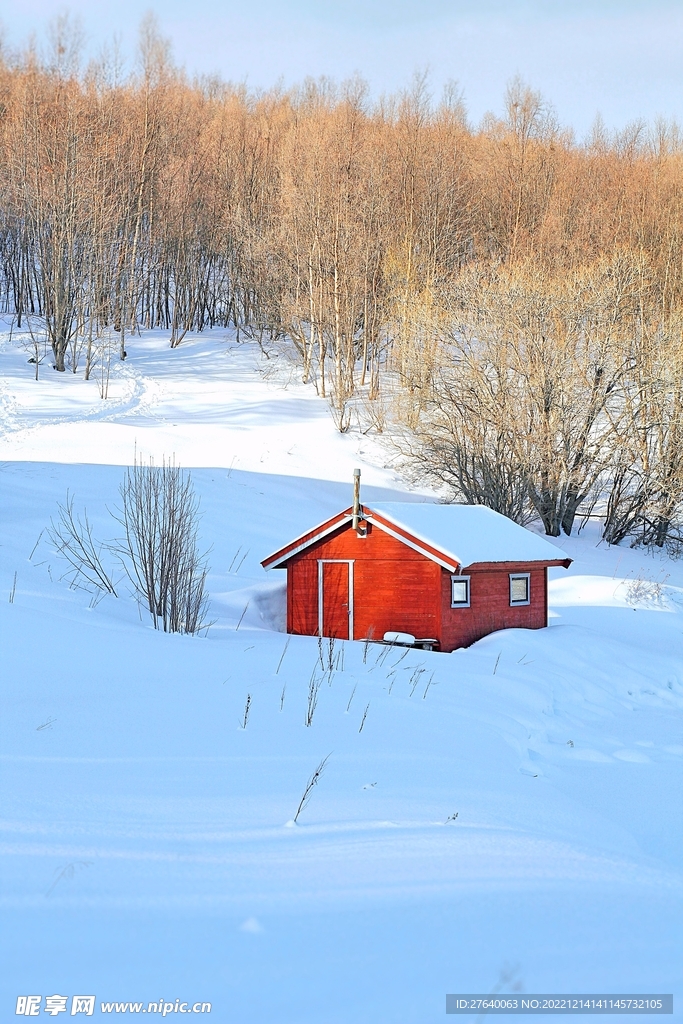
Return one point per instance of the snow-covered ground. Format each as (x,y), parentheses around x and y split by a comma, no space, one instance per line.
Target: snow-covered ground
(146,852)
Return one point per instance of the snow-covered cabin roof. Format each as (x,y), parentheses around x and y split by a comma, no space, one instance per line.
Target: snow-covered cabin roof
(468,533)
(452,535)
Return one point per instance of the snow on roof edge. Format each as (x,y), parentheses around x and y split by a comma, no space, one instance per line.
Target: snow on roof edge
(534,549)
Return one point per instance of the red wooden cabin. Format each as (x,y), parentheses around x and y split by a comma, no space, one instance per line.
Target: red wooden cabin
(444,573)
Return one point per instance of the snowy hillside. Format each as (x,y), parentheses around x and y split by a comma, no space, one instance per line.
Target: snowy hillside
(507,817)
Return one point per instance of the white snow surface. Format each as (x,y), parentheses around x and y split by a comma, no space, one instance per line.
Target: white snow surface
(506,818)
(469,533)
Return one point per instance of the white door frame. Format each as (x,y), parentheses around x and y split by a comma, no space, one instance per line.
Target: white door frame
(339,561)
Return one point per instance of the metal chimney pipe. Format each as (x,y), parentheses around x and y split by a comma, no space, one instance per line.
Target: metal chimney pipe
(356,498)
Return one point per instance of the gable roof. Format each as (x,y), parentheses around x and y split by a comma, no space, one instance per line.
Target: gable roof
(469,534)
(455,536)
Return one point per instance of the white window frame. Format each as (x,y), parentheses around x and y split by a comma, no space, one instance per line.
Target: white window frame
(521,576)
(461,579)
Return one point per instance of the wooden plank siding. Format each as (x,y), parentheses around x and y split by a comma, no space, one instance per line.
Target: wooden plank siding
(490,608)
(395,588)
(335,579)
(397,595)
(398,588)
(302,596)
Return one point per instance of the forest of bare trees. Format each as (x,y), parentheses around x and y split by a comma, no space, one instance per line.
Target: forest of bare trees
(507,300)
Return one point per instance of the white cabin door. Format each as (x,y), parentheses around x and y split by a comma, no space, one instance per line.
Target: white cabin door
(335,599)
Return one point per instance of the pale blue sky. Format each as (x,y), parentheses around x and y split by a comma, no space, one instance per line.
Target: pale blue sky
(623,58)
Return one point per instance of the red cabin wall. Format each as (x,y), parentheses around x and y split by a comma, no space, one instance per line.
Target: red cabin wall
(490,608)
(396,588)
(302,596)
(396,594)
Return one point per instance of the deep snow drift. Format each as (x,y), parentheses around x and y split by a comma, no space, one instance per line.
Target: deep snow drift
(146,852)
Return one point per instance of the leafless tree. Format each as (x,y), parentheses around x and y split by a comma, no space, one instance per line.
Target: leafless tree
(491,283)
(646,475)
(72,537)
(159,551)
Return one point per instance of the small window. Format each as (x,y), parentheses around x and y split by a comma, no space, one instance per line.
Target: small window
(460,591)
(520,588)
